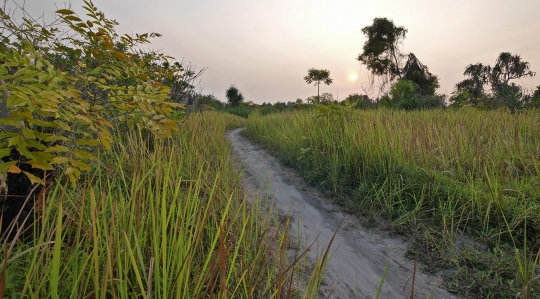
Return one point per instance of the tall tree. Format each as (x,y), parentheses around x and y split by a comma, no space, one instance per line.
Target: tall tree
(508,67)
(383,57)
(318,76)
(234,96)
(477,76)
(418,73)
(381,53)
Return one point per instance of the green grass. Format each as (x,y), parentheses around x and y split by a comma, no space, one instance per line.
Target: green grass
(169,220)
(438,176)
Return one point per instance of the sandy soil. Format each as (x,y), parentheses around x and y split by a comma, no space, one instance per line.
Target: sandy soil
(359,255)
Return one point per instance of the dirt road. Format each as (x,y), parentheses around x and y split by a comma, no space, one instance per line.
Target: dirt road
(359,255)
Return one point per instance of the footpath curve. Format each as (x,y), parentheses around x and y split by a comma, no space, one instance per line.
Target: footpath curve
(358,255)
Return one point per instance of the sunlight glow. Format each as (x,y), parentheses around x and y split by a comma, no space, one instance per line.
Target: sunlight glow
(352,77)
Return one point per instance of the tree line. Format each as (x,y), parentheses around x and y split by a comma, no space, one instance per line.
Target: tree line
(406,83)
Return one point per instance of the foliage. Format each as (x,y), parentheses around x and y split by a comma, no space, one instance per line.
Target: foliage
(381,53)
(535,98)
(167,223)
(477,77)
(461,185)
(512,97)
(318,76)
(184,85)
(504,93)
(360,101)
(383,57)
(208,102)
(234,96)
(406,94)
(418,73)
(403,90)
(508,67)
(66,91)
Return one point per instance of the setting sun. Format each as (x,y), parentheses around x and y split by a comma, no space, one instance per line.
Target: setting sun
(352,77)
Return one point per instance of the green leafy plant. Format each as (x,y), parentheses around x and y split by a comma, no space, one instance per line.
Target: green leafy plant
(65,92)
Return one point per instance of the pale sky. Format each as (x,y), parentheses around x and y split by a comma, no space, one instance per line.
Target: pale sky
(266,47)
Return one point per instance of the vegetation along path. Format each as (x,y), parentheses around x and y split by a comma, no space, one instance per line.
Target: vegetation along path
(358,256)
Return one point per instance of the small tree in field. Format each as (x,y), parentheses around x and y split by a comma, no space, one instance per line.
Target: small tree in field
(318,76)
(234,96)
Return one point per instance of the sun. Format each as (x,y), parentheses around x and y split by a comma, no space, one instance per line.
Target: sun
(352,77)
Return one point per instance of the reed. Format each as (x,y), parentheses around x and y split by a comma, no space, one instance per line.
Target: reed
(439,176)
(170,220)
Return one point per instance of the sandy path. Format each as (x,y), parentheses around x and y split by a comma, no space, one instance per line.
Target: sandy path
(359,255)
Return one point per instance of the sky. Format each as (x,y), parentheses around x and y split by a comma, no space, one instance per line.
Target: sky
(265,48)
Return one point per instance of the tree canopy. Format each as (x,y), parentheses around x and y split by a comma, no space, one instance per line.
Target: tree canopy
(383,57)
(508,67)
(381,53)
(477,76)
(318,76)
(418,73)
(234,96)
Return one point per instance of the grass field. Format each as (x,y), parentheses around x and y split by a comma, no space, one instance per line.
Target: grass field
(163,219)
(463,185)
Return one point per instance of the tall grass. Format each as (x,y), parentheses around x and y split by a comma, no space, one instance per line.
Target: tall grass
(169,220)
(436,175)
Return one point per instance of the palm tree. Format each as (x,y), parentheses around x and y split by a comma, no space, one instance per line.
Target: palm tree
(318,76)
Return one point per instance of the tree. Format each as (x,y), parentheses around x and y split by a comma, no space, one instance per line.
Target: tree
(477,76)
(208,102)
(381,53)
(534,101)
(234,96)
(508,67)
(185,85)
(418,73)
(359,101)
(383,57)
(326,98)
(318,76)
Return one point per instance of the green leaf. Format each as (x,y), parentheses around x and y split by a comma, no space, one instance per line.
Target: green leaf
(87,142)
(80,165)
(73,174)
(11,121)
(83,155)
(14,101)
(56,138)
(73,18)
(59,160)
(28,133)
(40,164)
(4,152)
(43,123)
(34,179)
(25,152)
(6,135)
(95,71)
(16,140)
(36,144)
(65,12)
(62,125)
(57,149)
